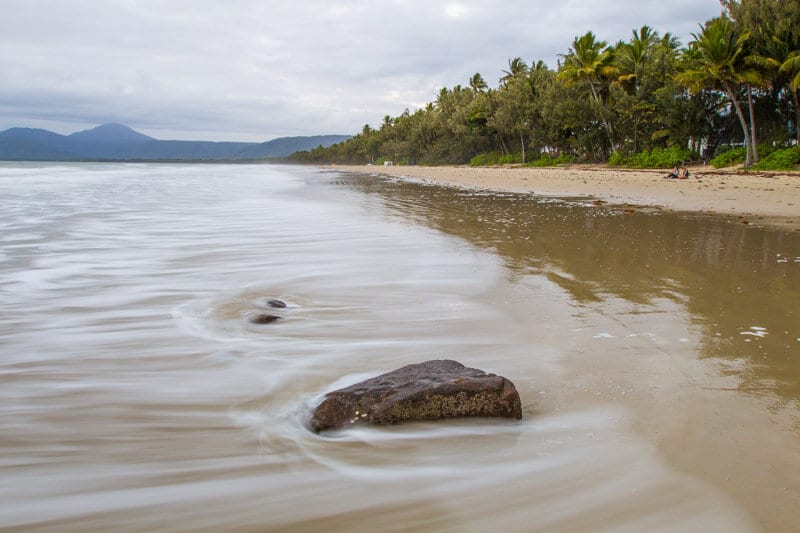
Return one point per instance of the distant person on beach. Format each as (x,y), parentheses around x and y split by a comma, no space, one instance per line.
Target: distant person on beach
(683,173)
(674,174)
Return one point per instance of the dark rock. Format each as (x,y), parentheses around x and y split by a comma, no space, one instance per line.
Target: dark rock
(276,304)
(426,391)
(263,318)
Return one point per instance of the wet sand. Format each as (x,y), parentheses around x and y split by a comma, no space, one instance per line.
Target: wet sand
(666,324)
(754,198)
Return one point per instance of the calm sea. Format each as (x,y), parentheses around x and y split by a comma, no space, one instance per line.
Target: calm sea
(135,394)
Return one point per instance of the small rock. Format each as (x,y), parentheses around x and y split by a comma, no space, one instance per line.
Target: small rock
(263,318)
(276,304)
(431,390)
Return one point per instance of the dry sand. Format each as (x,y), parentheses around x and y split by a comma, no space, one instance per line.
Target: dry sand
(757,198)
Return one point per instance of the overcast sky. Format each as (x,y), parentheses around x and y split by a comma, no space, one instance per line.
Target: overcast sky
(253,70)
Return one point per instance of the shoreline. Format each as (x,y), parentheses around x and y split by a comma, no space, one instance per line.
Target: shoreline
(685,408)
(759,198)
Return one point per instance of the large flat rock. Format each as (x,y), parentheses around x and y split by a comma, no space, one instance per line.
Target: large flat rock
(431,390)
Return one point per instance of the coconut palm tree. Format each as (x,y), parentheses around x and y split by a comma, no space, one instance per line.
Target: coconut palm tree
(632,58)
(477,83)
(765,60)
(791,67)
(591,62)
(516,67)
(716,58)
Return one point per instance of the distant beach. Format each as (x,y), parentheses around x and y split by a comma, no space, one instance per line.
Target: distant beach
(752,198)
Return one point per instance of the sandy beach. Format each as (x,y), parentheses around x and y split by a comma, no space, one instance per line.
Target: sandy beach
(754,198)
(685,400)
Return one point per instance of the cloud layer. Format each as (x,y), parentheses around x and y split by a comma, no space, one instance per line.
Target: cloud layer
(254,70)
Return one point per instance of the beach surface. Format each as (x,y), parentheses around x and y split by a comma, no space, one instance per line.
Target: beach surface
(676,360)
(752,198)
(655,354)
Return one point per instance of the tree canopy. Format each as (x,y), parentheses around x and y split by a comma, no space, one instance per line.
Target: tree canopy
(735,84)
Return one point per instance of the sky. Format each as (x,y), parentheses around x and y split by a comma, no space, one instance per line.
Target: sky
(253,70)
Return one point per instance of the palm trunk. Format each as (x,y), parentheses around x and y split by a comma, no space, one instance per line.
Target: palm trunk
(753,138)
(522,145)
(796,115)
(606,123)
(747,143)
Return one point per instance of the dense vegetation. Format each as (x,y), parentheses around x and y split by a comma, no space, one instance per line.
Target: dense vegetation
(647,101)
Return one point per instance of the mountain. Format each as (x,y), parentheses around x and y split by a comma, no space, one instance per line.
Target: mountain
(22,149)
(120,143)
(109,141)
(284,146)
(34,144)
(110,134)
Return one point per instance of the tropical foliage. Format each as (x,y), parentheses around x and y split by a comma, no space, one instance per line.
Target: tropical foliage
(655,158)
(646,101)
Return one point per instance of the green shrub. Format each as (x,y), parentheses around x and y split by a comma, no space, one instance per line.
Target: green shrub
(547,161)
(655,158)
(510,159)
(616,159)
(785,159)
(738,155)
(662,157)
(485,159)
(729,158)
(494,158)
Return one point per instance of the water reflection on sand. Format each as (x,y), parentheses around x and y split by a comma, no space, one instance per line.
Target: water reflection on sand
(691,320)
(740,283)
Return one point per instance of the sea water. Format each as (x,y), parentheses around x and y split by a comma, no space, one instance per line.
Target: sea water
(135,392)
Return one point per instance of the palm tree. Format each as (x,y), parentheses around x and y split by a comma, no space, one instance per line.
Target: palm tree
(441,98)
(516,67)
(665,55)
(477,83)
(590,61)
(632,57)
(538,66)
(716,58)
(770,52)
(670,42)
(791,67)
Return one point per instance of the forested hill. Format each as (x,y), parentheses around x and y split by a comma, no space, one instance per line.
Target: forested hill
(648,100)
(119,142)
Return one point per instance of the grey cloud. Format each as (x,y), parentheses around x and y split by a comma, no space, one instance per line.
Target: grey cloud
(202,68)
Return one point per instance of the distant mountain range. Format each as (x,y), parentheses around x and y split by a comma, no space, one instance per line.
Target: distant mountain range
(118,142)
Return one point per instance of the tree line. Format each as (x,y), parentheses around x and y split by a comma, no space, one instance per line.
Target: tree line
(734,85)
